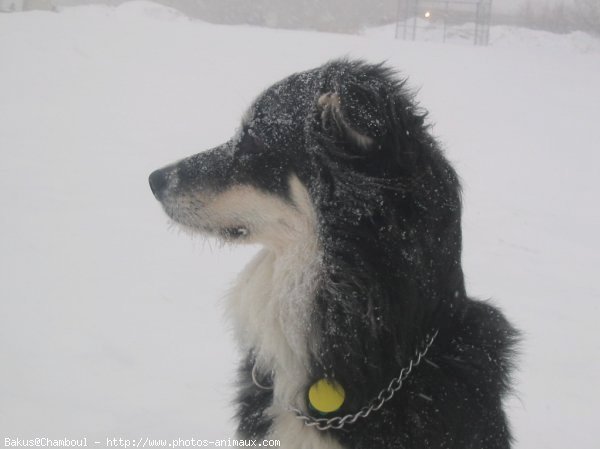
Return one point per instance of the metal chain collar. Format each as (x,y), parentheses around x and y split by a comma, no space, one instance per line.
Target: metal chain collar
(375,404)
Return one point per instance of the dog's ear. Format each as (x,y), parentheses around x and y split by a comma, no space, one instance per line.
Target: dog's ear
(355,113)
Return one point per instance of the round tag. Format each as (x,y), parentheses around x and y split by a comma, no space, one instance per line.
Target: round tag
(326,396)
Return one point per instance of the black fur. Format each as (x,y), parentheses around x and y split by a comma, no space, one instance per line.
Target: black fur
(389,223)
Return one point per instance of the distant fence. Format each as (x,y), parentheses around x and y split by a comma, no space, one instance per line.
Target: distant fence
(444,20)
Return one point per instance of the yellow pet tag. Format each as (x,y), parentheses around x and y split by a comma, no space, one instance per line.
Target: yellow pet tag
(326,396)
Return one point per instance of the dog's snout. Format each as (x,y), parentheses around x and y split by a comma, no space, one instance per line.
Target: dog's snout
(158,182)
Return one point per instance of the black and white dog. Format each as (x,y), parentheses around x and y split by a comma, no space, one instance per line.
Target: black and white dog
(354,320)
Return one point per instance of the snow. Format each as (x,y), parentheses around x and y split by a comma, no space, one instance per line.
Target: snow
(111,324)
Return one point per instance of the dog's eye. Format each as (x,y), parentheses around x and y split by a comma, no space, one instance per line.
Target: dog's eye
(249,143)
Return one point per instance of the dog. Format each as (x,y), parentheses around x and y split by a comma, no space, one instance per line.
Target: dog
(353,319)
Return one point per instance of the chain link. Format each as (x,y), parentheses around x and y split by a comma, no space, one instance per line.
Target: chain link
(375,404)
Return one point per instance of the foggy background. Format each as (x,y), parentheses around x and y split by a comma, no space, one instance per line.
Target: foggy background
(111,321)
(350,16)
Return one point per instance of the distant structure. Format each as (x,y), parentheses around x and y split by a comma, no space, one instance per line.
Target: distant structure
(26,5)
(11,5)
(444,20)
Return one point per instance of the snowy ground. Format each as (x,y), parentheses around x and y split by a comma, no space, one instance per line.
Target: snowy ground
(111,325)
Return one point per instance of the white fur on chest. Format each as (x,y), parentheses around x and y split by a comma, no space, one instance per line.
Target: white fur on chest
(271,307)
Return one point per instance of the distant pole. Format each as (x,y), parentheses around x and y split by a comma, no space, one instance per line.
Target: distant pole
(415,14)
(445,20)
(406,19)
(483,19)
(397,18)
(477,22)
(488,22)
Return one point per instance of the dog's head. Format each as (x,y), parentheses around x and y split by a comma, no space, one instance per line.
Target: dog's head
(339,146)
(248,189)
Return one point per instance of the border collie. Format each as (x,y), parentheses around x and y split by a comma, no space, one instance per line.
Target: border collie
(353,319)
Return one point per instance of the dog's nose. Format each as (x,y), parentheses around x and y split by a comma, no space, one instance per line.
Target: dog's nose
(158,182)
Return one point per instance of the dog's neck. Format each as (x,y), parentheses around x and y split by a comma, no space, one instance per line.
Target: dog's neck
(271,305)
